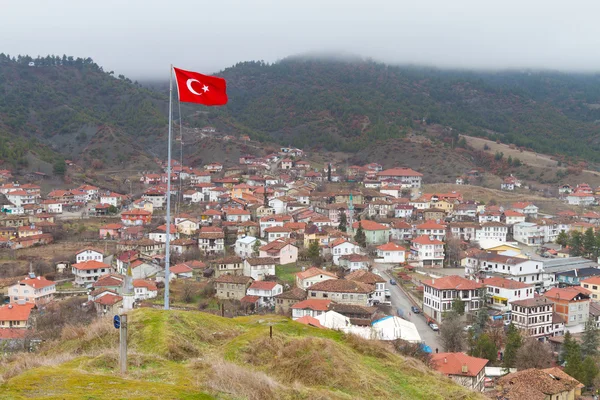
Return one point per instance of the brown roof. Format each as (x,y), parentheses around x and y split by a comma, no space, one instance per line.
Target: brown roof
(313,304)
(261,261)
(294,294)
(228,260)
(497,281)
(342,286)
(536,384)
(227,278)
(364,276)
(91,264)
(313,271)
(534,302)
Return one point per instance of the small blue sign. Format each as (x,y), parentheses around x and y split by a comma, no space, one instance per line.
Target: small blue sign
(117,321)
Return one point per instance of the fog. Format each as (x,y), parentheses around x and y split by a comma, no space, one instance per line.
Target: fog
(141,38)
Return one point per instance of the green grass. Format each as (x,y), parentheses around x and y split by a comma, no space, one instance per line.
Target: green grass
(195,355)
(286,273)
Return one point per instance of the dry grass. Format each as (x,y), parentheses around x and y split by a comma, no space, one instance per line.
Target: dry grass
(21,362)
(243,383)
(371,348)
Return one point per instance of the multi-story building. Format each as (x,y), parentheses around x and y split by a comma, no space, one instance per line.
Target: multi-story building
(342,291)
(211,240)
(463,369)
(404,176)
(593,286)
(429,252)
(501,292)
(88,272)
(36,290)
(306,279)
(440,294)
(266,291)
(259,267)
(533,316)
(231,287)
(228,266)
(515,268)
(492,231)
(573,304)
(432,229)
(464,230)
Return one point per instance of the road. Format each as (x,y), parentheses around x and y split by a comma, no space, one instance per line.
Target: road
(400,300)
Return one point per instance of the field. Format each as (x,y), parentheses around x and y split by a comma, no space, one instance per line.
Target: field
(194,355)
(287,273)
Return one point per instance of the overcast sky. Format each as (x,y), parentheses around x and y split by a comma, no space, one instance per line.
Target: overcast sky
(141,38)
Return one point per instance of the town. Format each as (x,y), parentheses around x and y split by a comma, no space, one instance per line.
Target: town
(478,291)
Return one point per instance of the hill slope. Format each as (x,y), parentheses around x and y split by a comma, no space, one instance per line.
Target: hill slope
(193,355)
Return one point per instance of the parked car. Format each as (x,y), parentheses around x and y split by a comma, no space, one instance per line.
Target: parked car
(434,326)
(388,294)
(392,281)
(400,313)
(415,310)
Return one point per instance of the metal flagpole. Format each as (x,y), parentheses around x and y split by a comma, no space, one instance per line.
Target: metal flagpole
(168,237)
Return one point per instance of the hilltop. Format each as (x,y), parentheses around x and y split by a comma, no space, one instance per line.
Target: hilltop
(194,355)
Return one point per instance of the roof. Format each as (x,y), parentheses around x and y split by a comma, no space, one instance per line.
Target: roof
(452,282)
(141,283)
(308,320)
(364,276)
(536,301)
(314,271)
(594,280)
(370,226)
(497,281)
(313,304)
(108,299)
(399,172)
(453,364)
(293,294)
(250,299)
(180,269)
(91,264)
(431,224)
(16,312)
(263,285)
(341,286)
(276,244)
(391,246)
(38,282)
(536,384)
(424,239)
(569,293)
(108,280)
(261,261)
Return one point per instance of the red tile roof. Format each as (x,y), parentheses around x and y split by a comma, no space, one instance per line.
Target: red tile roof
(38,282)
(370,226)
(453,363)
(312,321)
(391,246)
(452,282)
(313,304)
(424,239)
(108,299)
(314,271)
(92,264)
(180,269)
(568,293)
(16,312)
(263,285)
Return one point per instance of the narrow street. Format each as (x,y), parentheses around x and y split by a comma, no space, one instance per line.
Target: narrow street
(401,301)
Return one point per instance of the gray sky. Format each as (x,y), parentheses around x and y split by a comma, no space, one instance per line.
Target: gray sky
(141,38)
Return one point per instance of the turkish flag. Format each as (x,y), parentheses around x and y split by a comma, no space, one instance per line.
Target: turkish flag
(194,87)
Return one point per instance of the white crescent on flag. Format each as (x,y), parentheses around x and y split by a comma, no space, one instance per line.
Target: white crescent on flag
(190,88)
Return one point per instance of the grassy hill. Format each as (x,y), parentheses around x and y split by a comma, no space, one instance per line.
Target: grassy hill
(194,355)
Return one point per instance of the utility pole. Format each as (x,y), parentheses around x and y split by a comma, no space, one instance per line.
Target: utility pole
(123,344)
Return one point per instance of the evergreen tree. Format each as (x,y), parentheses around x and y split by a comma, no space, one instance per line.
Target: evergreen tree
(589,371)
(513,344)
(314,252)
(481,321)
(562,238)
(329,172)
(343,226)
(458,306)
(360,236)
(59,167)
(485,348)
(589,243)
(576,243)
(256,247)
(590,340)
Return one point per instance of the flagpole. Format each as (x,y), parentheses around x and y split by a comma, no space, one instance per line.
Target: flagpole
(168,237)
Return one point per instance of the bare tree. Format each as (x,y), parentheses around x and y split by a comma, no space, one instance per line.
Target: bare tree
(451,332)
(188,292)
(453,249)
(534,354)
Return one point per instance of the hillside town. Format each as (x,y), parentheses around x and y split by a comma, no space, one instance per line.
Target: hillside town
(359,249)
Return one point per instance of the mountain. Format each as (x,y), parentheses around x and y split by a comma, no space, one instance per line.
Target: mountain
(195,355)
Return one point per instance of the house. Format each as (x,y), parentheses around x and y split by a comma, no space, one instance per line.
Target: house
(529,209)
(429,252)
(369,278)
(266,290)
(284,301)
(231,287)
(353,262)
(391,253)
(432,229)
(528,233)
(534,316)
(283,251)
(136,217)
(52,206)
(144,289)
(513,217)
(306,279)
(110,231)
(492,231)
(550,383)
(581,199)
(440,294)
(228,266)
(508,184)
(404,176)
(593,286)
(342,291)
(36,290)
(277,232)
(244,246)
(401,230)
(573,304)
(375,233)
(511,267)
(187,226)
(310,307)
(211,240)
(214,167)
(463,369)
(15,315)
(259,267)
(88,272)
(181,271)
(501,292)
(340,247)
(107,302)
(156,196)
(88,254)
(237,215)
(160,234)
(403,211)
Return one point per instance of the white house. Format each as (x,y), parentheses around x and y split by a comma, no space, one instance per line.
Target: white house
(501,292)
(391,253)
(342,247)
(528,233)
(515,268)
(193,196)
(37,290)
(492,230)
(88,272)
(244,246)
(20,198)
(266,290)
(306,279)
(143,289)
(513,217)
(403,211)
(88,254)
(428,252)
(439,294)
(533,316)
(259,267)
(581,199)
(432,229)
(310,307)
(529,209)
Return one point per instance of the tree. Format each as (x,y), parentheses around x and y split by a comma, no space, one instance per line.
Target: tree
(329,172)
(453,249)
(562,239)
(533,354)
(481,321)
(569,346)
(112,209)
(589,371)
(589,243)
(314,252)
(188,293)
(485,348)
(60,167)
(343,226)
(256,247)
(513,344)
(458,306)
(360,236)
(451,332)
(576,243)
(590,340)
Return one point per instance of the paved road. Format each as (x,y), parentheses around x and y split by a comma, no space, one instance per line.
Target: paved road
(400,300)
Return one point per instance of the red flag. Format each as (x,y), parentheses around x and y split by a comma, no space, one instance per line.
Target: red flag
(202,89)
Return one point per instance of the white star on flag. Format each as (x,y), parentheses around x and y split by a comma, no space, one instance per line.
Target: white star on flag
(205,88)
